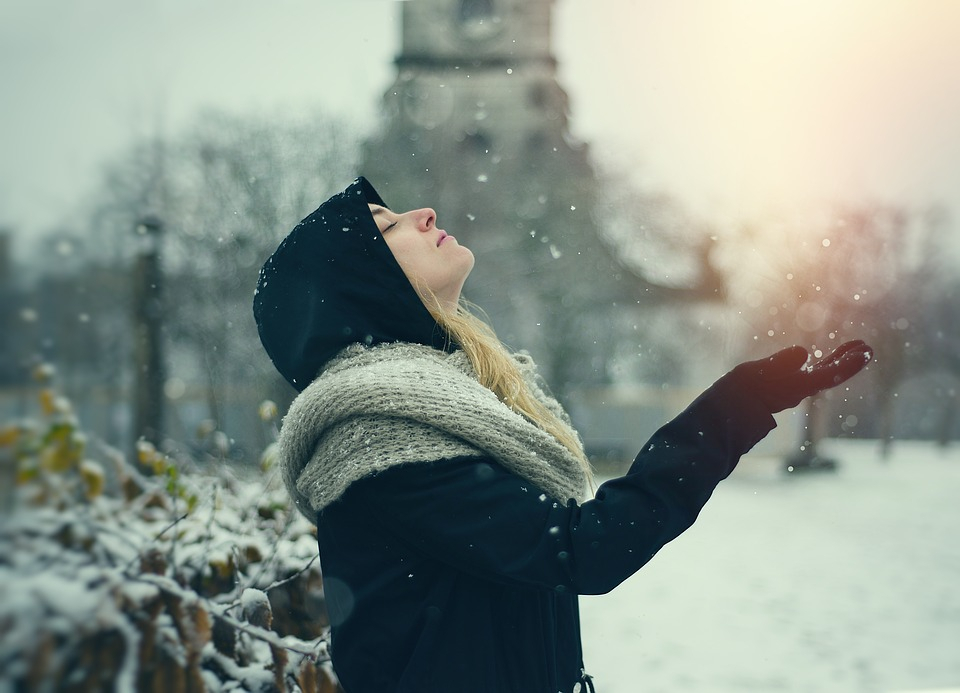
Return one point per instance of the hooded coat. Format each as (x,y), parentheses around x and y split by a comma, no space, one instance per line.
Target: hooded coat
(457,574)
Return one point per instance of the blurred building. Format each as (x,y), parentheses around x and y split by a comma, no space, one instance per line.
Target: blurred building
(475,126)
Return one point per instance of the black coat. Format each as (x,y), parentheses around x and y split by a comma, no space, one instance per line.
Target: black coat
(459,576)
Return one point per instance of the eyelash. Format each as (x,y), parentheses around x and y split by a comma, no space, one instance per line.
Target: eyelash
(390,226)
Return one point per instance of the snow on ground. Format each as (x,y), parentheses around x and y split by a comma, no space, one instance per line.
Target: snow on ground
(824,582)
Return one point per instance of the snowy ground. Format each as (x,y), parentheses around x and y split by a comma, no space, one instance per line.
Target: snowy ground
(831,582)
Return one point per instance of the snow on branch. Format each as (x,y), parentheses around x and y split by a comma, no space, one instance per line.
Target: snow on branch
(156,576)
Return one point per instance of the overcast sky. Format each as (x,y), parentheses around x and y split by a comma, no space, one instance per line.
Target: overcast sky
(734,106)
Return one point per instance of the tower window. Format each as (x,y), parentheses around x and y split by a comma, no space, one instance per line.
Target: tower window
(476,11)
(538,95)
(476,144)
(478,19)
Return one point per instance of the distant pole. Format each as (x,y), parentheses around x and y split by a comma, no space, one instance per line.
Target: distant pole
(10,366)
(148,322)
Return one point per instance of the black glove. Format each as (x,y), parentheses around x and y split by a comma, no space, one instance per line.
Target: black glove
(782,381)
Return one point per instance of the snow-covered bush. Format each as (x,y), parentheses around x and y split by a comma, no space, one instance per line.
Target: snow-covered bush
(177,580)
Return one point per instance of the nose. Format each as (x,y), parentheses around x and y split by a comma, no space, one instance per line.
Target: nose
(426,218)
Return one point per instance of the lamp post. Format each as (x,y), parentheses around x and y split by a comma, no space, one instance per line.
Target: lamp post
(148,323)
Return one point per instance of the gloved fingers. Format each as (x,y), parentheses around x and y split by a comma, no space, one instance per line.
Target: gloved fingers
(853,344)
(782,381)
(845,362)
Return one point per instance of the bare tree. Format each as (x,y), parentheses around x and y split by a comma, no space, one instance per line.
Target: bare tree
(238,187)
(226,190)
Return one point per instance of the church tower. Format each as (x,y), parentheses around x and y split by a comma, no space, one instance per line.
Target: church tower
(474,109)
(475,125)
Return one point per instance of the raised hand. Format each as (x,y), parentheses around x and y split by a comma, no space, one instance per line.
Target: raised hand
(783,380)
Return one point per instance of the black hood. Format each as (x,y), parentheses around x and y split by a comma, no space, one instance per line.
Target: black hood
(334,282)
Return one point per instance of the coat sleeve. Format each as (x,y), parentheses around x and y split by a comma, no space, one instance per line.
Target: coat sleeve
(480,518)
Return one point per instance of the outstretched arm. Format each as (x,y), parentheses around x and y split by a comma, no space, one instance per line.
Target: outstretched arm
(487,521)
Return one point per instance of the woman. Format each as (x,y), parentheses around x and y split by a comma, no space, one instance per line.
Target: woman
(447,487)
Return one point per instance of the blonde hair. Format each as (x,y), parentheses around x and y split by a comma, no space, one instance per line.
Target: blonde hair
(498,371)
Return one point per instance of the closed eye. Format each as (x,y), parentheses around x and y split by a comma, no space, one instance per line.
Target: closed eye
(378,212)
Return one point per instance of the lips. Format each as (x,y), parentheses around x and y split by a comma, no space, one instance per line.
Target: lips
(443,236)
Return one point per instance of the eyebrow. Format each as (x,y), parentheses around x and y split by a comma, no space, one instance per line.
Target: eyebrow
(377,210)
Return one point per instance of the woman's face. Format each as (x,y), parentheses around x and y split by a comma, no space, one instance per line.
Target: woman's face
(431,259)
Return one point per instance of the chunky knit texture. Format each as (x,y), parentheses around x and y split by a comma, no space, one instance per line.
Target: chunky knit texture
(377,407)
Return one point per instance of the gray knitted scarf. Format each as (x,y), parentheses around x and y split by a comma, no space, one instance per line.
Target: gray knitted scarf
(377,407)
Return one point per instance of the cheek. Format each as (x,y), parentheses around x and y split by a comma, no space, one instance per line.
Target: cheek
(407,257)
(400,250)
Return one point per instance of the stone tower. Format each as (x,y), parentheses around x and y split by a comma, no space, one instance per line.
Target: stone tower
(475,125)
